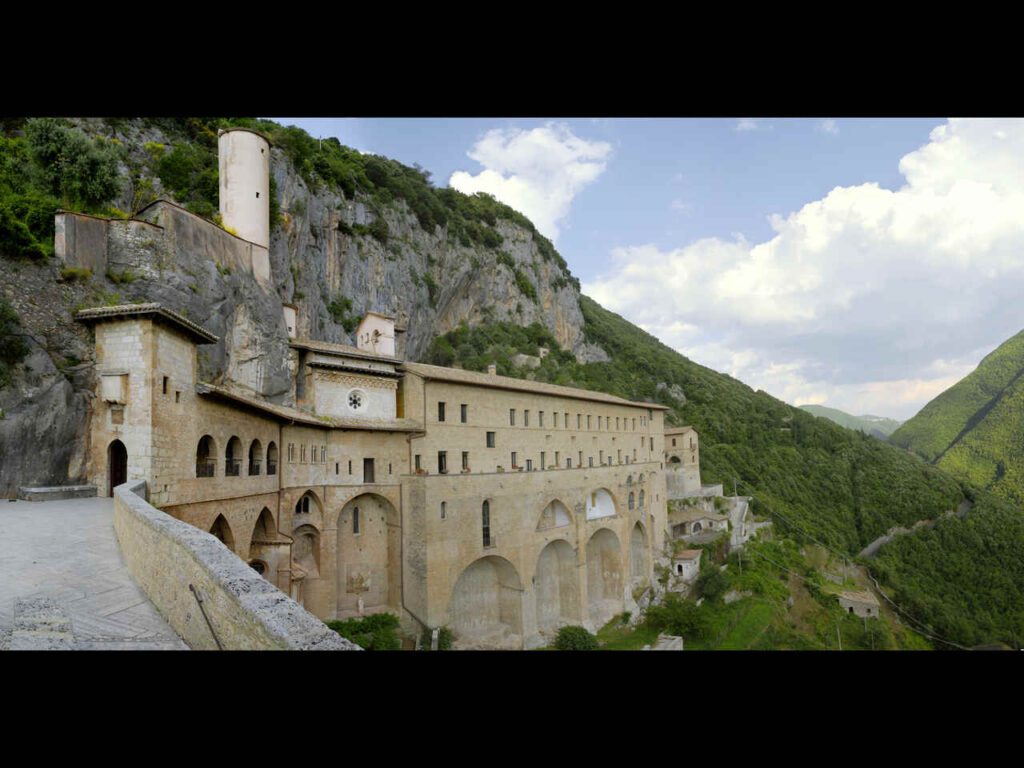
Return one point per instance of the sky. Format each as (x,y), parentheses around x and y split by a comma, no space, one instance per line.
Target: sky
(864,264)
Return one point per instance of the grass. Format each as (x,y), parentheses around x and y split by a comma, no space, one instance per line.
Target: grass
(616,636)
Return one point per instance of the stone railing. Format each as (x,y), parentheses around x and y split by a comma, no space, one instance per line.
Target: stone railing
(175,564)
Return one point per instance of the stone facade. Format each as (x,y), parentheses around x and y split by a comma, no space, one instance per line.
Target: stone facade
(500,507)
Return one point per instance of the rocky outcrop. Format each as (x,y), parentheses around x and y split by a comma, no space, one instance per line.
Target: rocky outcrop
(321,254)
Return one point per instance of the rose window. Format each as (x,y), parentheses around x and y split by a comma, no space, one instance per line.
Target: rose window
(355,401)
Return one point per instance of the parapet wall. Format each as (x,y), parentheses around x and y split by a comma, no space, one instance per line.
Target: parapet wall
(165,556)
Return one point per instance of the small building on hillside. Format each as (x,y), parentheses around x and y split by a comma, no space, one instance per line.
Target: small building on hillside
(696,522)
(686,565)
(862,604)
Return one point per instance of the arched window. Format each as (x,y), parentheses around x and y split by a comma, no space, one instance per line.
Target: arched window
(233,458)
(486,516)
(272,459)
(629,481)
(306,504)
(255,457)
(206,457)
(641,499)
(355,520)
(632,500)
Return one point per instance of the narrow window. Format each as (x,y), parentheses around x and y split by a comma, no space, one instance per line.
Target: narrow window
(389,467)
(337,468)
(566,422)
(355,521)
(514,464)
(652,443)
(632,500)
(465,461)
(588,421)
(555,417)
(600,457)
(440,411)
(673,442)
(641,499)
(165,385)
(558,460)
(540,418)
(486,519)
(580,462)
(350,466)
(526,418)
(568,463)
(511,417)
(442,462)
(543,465)
(490,439)
(417,457)
(464,413)
(444,509)
(590,460)
(177,397)
(368,476)
(303,453)
(619,457)
(529,465)
(578,420)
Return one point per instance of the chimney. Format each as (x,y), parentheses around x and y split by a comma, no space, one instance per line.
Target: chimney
(492,369)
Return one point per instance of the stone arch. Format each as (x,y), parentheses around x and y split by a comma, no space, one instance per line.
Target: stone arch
(555,515)
(674,460)
(222,530)
(600,503)
(117,465)
(556,587)
(308,510)
(206,457)
(605,594)
(369,561)
(696,528)
(486,604)
(255,457)
(638,565)
(272,458)
(233,457)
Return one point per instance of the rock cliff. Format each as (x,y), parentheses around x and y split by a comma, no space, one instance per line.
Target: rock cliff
(324,258)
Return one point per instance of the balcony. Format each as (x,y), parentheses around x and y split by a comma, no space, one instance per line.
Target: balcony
(206,467)
(232,467)
(254,467)
(271,467)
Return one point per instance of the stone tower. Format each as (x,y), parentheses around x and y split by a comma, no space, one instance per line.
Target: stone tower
(244,158)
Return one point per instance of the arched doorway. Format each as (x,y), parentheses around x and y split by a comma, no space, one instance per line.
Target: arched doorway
(486,605)
(222,531)
(267,547)
(117,466)
(369,555)
(558,598)
(605,596)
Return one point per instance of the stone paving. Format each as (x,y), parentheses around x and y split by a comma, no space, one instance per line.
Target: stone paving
(59,560)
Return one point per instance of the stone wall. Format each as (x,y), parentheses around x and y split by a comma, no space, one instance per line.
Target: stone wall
(166,556)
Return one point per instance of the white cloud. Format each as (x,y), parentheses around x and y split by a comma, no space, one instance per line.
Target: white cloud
(747,124)
(868,299)
(828,126)
(537,172)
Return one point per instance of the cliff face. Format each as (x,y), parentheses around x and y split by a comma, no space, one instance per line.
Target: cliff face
(322,258)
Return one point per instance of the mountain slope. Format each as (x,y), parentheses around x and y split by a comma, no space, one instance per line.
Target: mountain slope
(878,426)
(973,429)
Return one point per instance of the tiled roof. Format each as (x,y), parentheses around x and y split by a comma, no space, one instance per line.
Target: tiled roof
(329,348)
(688,514)
(678,430)
(98,314)
(474,378)
(859,597)
(287,413)
(688,554)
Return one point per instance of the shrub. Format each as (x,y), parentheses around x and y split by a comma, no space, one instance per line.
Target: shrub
(15,238)
(379,230)
(372,633)
(341,310)
(444,639)
(13,348)
(72,165)
(73,274)
(575,639)
(677,617)
(712,583)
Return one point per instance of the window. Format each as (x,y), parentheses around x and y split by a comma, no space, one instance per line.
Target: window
(350,466)
(543,463)
(442,462)
(303,447)
(165,385)
(177,397)
(632,500)
(417,465)
(291,452)
(464,413)
(540,418)
(355,521)
(511,417)
(578,421)
(588,421)
(355,400)
(465,461)
(616,423)
(600,457)
(590,460)
(529,465)
(368,471)
(580,462)
(486,520)
(337,468)
(514,464)
(440,411)
(555,417)
(526,418)
(673,442)
(641,499)
(490,439)
(619,457)
(557,459)
(634,454)
(444,509)
(568,463)
(652,443)
(323,454)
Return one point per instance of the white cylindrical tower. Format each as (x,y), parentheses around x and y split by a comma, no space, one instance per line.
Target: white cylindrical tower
(244,157)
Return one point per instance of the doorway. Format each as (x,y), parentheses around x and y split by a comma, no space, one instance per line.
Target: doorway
(117,466)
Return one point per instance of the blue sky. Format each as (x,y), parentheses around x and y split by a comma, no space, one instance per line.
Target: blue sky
(865,264)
